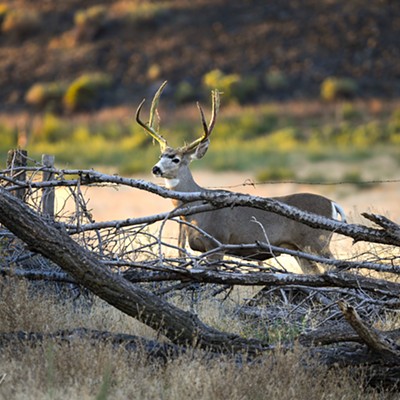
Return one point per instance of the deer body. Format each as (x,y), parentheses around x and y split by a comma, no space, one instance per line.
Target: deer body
(240,225)
(247,225)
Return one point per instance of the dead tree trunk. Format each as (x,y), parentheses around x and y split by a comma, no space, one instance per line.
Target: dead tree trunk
(15,159)
(51,241)
(48,193)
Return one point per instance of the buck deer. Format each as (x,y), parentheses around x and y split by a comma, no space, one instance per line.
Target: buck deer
(236,225)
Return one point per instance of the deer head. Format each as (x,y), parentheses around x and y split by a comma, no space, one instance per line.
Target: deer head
(174,162)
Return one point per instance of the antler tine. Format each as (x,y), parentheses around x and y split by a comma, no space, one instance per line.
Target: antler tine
(207,129)
(153,111)
(215,108)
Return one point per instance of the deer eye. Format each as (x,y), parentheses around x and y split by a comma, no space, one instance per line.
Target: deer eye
(176,160)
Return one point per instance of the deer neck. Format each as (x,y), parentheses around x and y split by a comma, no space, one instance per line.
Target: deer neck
(184,182)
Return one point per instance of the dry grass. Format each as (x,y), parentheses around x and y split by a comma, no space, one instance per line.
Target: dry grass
(82,370)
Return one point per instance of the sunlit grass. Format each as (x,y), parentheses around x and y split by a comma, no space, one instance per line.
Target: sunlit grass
(265,139)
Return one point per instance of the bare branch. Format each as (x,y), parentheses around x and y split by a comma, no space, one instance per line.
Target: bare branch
(385,347)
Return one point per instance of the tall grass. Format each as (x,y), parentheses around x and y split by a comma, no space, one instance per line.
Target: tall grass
(86,370)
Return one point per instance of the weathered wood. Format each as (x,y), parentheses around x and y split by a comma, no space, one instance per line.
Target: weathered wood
(17,158)
(220,199)
(338,332)
(225,198)
(48,197)
(389,226)
(51,241)
(376,341)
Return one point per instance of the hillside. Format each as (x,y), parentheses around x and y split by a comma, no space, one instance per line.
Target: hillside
(139,43)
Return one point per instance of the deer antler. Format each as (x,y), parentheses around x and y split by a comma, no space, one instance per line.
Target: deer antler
(149,127)
(207,129)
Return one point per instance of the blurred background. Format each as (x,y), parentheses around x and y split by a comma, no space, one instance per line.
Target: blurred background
(310,88)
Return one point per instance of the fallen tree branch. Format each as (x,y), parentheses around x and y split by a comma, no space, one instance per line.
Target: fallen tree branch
(389,226)
(204,275)
(182,327)
(220,199)
(327,279)
(37,275)
(376,341)
(153,349)
(338,332)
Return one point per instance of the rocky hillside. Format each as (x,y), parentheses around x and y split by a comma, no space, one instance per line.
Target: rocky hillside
(282,49)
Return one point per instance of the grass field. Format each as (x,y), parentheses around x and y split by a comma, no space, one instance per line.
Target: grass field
(80,369)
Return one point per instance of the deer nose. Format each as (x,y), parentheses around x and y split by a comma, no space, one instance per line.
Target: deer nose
(156,170)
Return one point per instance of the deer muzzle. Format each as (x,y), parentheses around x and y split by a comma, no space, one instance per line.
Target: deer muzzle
(156,171)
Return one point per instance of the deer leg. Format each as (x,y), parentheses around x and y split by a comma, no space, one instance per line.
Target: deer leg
(307,266)
(182,240)
(311,267)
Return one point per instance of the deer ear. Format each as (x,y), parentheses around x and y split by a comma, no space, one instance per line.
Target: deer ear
(201,150)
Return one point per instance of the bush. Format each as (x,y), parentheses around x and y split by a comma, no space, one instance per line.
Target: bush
(154,72)
(225,83)
(3,11)
(8,138)
(84,92)
(275,79)
(337,88)
(88,22)
(246,89)
(275,174)
(92,16)
(53,130)
(20,22)
(233,86)
(185,92)
(349,112)
(141,13)
(46,95)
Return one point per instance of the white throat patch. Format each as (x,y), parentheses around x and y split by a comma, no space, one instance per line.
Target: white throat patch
(171,183)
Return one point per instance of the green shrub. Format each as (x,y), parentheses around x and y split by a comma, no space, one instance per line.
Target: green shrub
(53,130)
(336,88)
(92,16)
(185,92)
(225,83)
(394,128)
(233,86)
(84,92)
(142,13)
(275,79)
(46,95)
(275,174)
(88,22)
(349,111)
(246,89)
(8,138)
(3,11)
(283,140)
(20,22)
(355,178)
(154,72)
